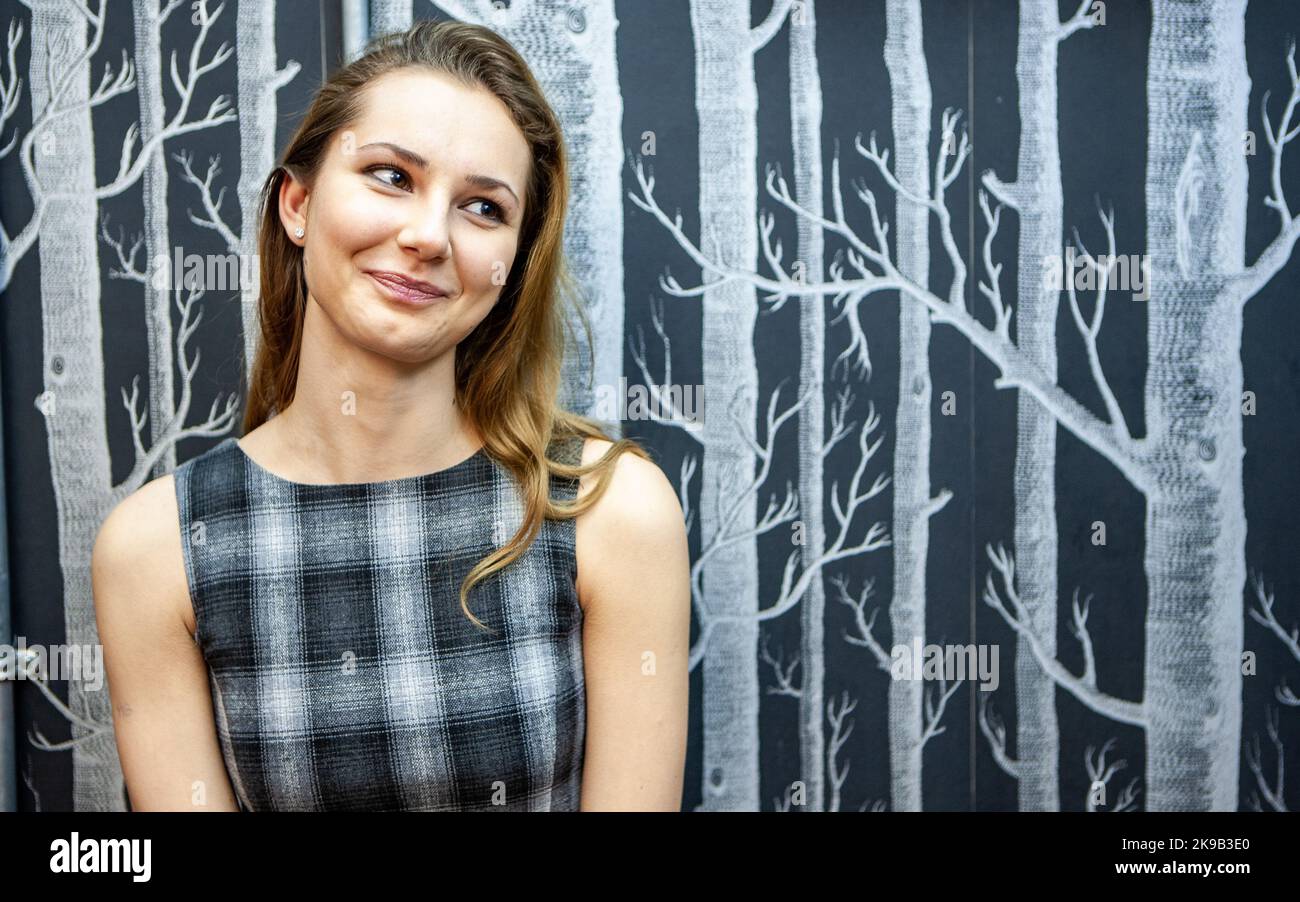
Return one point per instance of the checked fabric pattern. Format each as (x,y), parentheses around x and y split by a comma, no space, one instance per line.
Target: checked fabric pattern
(345,676)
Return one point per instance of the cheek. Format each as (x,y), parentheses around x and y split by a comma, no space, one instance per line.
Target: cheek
(360,220)
(486,266)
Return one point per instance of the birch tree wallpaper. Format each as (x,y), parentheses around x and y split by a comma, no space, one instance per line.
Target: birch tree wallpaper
(965,330)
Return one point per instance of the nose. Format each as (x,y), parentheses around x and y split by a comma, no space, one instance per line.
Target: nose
(427,232)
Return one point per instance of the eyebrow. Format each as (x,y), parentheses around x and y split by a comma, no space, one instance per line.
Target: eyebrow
(410,156)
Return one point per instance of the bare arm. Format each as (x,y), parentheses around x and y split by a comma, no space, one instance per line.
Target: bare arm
(157,678)
(634,583)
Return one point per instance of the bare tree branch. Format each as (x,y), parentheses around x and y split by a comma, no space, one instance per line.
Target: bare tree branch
(129,270)
(1088,331)
(993,289)
(688,470)
(28,668)
(1019,620)
(1078,21)
(212,207)
(943,177)
(675,417)
(1275,795)
(764,31)
(839,414)
(110,86)
(856,356)
(285,74)
(1007,193)
(839,735)
(1265,616)
(167,10)
(1286,696)
(865,638)
(10,91)
(793,590)
(728,529)
(783,675)
(1079,626)
(934,709)
(129,170)
(1277,140)
(1276,255)
(1101,772)
(1017,369)
(994,731)
(217,423)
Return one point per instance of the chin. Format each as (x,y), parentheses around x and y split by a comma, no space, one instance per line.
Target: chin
(402,345)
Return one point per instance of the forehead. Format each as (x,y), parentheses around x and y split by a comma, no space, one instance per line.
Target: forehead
(467,129)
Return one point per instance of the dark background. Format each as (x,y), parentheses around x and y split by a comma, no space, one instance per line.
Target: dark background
(970,49)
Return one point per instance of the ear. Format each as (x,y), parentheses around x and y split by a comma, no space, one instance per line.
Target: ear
(294,196)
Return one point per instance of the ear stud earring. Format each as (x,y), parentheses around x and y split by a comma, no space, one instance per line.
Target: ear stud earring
(298,233)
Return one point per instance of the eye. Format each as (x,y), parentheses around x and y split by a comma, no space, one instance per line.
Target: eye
(500,214)
(382,166)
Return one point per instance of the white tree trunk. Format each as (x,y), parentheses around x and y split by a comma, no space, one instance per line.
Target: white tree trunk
(1038,187)
(158,301)
(389,15)
(356,28)
(726,103)
(259,80)
(73,374)
(909,86)
(1198,91)
(806,144)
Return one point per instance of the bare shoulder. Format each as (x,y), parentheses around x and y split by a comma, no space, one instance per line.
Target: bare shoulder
(637,489)
(138,551)
(638,518)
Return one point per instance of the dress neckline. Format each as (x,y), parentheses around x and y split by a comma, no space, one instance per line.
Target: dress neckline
(417,478)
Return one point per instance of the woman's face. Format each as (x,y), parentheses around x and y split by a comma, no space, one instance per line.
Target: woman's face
(441,219)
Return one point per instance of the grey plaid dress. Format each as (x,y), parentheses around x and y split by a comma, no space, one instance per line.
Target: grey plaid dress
(344,675)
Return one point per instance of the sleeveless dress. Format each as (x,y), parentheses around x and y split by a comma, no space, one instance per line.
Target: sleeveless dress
(344,674)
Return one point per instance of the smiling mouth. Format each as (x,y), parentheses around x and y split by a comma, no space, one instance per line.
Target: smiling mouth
(403,293)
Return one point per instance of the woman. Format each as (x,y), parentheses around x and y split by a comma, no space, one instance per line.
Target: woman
(415,583)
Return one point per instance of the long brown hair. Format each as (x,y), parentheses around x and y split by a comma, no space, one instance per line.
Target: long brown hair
(507,369)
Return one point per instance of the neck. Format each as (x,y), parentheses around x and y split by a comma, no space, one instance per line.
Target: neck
(358,416)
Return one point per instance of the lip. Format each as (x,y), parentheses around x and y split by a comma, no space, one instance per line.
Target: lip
(405,289)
